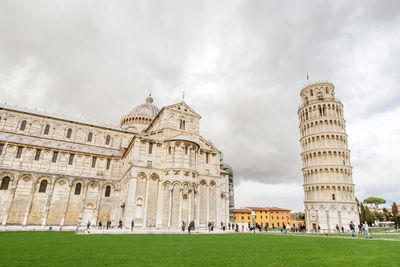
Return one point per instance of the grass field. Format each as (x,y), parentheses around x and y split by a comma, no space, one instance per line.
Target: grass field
(68,249)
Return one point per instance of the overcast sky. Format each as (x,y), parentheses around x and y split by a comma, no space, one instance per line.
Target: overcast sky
(241,64)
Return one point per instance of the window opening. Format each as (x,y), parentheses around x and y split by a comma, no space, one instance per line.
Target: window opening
(43,186)
(19,152)
(37,155)
(94,162)
(4,183)
(78,187)
(46,129)
(108,164)
(182,124)
(55,154)
(23,125)
(108,191)
(69,133)
(89,137)
(71,159)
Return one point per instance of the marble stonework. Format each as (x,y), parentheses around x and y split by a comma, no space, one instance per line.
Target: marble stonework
(328,183)
(155,169)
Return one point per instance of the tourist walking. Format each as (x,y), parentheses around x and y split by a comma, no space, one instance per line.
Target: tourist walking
(352,228)
(284,228)
(365,226)
(100,224)
(209,226)
(337,229)
(88,225)
(108,224)
(342,229)
(191,226)
(183,226)
(132,224)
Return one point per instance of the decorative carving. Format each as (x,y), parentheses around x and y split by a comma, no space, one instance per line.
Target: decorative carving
(26,179)
(90,206)
(61,181)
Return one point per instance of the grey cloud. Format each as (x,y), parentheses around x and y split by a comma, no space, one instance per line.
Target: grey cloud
(241,63)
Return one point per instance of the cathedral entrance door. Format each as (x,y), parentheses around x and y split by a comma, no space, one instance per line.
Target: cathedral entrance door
(88,215)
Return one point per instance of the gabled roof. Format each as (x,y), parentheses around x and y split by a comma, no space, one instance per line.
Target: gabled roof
(265,208)
(171,106)
(186,106)
(241,210)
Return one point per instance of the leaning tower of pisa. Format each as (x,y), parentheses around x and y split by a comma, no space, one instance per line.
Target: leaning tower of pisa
(329,198)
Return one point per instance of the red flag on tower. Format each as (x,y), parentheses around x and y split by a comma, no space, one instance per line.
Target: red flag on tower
(307,76)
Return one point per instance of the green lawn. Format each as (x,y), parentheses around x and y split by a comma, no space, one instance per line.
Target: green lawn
(68,249)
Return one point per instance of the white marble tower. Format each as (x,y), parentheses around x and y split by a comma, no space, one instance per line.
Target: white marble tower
(329,198)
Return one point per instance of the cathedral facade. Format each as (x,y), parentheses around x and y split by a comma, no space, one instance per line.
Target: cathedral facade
(155,169)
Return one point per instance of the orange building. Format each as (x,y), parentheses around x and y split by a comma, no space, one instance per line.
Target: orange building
(270,216)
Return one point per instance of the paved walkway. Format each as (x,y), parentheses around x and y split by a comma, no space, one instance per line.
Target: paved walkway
(94,230)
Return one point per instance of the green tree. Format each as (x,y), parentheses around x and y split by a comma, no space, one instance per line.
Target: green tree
(385,214)
(396,220)
(394,209)
(369,216)
(379,216)
(362,213)
(374,200)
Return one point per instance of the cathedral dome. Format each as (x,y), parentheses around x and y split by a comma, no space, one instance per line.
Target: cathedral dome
(140,117)
(146,110)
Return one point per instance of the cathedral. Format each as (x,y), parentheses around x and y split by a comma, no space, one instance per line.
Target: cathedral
(155,169)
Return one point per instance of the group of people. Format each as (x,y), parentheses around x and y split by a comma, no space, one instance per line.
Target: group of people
(191,226)
(362,228)
(108,225)
(339,228)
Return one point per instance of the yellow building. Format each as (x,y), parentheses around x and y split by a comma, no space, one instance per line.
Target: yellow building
(271,217)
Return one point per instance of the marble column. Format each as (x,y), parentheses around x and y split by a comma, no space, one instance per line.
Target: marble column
(48,202)
(197,208)
(190,205)
(29,206)
(11,199)
(66,204)
(208,205)
(83,202)
(170,208)
(146,198)
(160,204)
(98,202)
(180,206)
